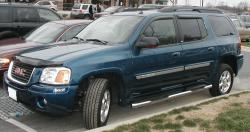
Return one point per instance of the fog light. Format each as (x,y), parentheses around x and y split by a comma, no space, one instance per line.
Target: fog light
(41,102)
(45,101)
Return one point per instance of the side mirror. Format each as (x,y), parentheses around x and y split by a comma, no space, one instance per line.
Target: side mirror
(147,42)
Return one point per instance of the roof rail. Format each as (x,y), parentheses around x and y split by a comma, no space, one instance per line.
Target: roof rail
(136,9)
(191,8)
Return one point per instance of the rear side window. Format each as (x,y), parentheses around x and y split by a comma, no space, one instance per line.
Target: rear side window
(47,15)
(76,6)
(163,29)
(26,15)
(221,26)
(192,29)
(84,7)
(4,14)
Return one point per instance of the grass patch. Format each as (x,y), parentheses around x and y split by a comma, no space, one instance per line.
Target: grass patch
(172,126)
(184,109)
(202,123)
(141,127)
(158,118)
(178,130)
(246,44)
(236,104)
(179,117)
(236,119)
(189,123)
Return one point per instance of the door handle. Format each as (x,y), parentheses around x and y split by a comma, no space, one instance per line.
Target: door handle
(210,49)
(176,54)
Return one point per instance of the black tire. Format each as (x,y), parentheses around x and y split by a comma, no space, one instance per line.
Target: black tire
(216,90)
(87,17)
(92,103)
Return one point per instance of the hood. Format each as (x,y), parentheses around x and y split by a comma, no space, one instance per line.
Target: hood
(11,50)
(63,52)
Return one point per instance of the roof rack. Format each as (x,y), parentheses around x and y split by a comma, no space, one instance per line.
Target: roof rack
(191,8)
(137,9)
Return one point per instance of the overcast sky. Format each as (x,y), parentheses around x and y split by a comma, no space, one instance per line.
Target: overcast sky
(214,2)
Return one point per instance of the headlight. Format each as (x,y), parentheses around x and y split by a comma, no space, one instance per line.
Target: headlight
(4,62)
(55,75)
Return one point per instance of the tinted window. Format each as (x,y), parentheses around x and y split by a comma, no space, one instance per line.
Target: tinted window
(192,29)
(47,15)
(26,15)
(4,14)
(84,7)
(76,6)
(164,30)
(221,26)
(46,3)
(72,32)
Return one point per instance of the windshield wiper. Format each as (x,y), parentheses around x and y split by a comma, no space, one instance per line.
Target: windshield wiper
(97,40)
(78,38)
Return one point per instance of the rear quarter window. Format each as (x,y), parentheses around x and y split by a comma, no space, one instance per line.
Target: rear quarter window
(5,14)
(221,26)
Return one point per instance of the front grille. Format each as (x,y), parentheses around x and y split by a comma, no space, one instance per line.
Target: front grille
(21,72)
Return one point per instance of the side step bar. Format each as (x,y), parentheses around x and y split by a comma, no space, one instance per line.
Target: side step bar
(141,104)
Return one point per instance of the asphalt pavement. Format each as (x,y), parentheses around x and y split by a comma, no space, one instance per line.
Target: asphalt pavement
(44,123)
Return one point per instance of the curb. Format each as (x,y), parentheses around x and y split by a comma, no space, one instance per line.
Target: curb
(112,126)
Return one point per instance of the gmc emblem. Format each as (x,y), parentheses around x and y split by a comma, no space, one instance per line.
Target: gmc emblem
(19,71)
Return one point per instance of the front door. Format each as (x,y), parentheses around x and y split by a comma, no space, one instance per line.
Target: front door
(158,69)
(198,49)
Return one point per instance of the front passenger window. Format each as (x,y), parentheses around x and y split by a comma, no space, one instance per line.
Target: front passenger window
(163,29)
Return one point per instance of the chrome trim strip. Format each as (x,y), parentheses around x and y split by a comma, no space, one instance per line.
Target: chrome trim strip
(160,72)
(179,94)
(141,104)
(136,105)
(208,86)
(14,80)
(198,65)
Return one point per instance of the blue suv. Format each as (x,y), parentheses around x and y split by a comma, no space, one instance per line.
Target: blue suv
(130,58)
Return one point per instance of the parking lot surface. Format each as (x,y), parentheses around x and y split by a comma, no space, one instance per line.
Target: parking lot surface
(40,122)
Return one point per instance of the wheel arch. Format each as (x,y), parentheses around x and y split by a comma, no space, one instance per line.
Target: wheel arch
(231,60)
(114,75)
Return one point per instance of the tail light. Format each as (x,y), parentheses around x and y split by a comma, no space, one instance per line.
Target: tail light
(81,11)
(239,45)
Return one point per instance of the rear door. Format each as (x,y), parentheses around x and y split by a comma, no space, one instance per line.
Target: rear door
(25,19)
(198,49)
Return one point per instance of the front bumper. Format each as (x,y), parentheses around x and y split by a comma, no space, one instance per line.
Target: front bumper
(49,99)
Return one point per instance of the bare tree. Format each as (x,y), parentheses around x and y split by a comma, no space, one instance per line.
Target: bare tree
(243,5)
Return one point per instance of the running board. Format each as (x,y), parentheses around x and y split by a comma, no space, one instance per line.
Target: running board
(141,104)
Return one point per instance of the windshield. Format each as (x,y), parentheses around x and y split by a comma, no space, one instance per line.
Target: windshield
(47,33)
(112,9)
(112,29)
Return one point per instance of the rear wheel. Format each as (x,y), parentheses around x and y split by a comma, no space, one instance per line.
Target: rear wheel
(96,104)
(223,81)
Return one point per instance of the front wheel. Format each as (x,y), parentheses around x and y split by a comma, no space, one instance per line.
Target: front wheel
(223,81)
(96,104)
